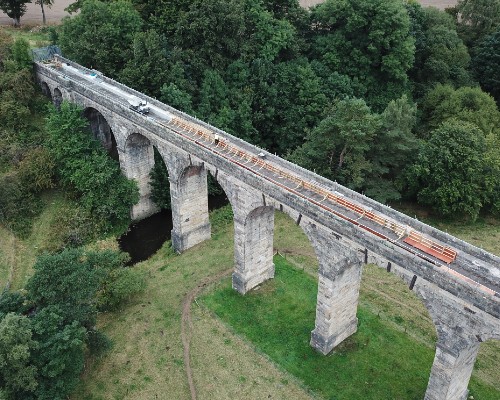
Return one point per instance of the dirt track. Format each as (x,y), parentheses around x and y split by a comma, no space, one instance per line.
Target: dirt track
(186,324)
(54,14)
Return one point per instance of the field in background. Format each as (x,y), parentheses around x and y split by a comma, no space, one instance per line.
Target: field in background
(55,13)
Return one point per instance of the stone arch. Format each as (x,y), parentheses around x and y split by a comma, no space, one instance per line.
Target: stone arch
(57,98)
(46,90)
(101,130)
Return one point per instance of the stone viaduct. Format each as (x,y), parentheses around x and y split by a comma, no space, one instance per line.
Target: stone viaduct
(463,312)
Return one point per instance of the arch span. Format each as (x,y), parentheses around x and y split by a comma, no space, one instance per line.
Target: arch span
(101,130)
(57,98)
(46,90)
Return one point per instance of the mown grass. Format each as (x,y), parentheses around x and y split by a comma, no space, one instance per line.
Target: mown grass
(378,362)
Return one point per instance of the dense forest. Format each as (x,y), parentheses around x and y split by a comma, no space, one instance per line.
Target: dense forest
(391,99)
(386,97)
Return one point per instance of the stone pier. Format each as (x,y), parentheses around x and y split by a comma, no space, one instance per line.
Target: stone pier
(338,293)
(253,249)
(189,199)
(452,367)
(136,162)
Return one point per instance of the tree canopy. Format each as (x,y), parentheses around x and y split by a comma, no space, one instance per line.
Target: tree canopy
(368,41)
(100,36)
(486,64)
(450,170)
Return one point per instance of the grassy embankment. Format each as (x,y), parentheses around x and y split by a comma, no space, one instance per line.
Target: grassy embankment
(260,341)
(17,256)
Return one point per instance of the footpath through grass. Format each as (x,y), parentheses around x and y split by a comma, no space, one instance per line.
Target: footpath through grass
(378,362)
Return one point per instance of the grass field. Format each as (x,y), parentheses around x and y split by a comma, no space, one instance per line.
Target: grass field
(147,358)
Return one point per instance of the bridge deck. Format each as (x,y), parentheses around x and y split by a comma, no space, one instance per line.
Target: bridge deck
(244,155)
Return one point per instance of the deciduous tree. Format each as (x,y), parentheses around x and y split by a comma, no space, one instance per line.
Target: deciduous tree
(15,9)
(440,54)
(337,149)
(368,41)
(18,376)
(101,35)
(469,104)
(477,19)
(450,170)
(486,64)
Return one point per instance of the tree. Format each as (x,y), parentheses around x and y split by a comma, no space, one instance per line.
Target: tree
(162,15)
(440,55)
(368,41)
(85,168)
(14,9)
(215,33)
(148,68)
(338,147)
(298,106)
(485,64)
(18,376)
(392,150)
(469,104)
(42,4)
(449,172)
(477,19)
(112,25)
(68,280)
(492,172)
(59,357)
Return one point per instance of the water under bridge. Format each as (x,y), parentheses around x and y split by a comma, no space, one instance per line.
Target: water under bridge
(458,283)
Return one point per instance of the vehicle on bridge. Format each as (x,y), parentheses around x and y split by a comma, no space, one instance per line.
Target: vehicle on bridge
(138,105)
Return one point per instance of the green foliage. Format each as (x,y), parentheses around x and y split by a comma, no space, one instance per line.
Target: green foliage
(440,55)
(113,25)
(59,357)
(11,302)
(42,356)
(119,285)
(337,149)
(485,64)
(160,185)
(73,226)
(80,283)
(147,68)
(469,104)
(21,54)
(162,15)
(477,19)
(392,151)
(14,9)
(36,170)
(68,280)
(85,168)
(18,206)
(244,30)
(360,149)
(492,172)
(177,98)
(450,170)
(17,374)
(368,41)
